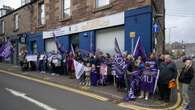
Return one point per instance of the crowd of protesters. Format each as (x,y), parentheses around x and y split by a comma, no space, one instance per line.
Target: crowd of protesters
(55,63)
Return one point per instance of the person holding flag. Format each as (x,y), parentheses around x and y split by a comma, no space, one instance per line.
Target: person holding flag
(59,46)
(140,55)
(119,67)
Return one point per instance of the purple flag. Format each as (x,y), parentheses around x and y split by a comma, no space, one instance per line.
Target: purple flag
(139,50)
(6,50)
(2,47)
(59,45)
(117,48)
(119,63)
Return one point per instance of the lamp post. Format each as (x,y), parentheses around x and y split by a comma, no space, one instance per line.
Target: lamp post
(169,33)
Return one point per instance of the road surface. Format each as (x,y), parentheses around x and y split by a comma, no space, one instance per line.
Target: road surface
(22,94)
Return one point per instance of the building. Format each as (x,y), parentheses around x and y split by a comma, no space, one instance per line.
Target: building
(188,49)
(24,2)
(5,10)
(15,24)
(94,24)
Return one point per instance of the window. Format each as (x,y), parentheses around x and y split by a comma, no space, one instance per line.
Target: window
(101,3)
(16,22)
(65,8)
(2,12)
(33,47)
(41,16)
(2,27)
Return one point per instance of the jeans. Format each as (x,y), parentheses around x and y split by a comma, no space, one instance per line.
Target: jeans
(185,96)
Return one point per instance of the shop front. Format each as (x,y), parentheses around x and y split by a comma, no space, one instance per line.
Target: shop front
(99,33)
(35,43)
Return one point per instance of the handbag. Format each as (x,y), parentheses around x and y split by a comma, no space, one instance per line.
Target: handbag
(172,84)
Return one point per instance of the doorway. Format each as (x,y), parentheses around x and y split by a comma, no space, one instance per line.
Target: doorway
(74,41)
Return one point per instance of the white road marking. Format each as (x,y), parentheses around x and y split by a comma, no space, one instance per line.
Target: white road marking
(23,95)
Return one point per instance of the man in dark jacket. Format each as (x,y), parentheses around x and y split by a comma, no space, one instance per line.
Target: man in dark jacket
(185,79)
(168,72)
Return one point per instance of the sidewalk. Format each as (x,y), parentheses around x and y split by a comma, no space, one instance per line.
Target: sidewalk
(107,91)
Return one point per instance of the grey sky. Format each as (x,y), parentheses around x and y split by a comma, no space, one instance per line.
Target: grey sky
(180,15)
(12,3)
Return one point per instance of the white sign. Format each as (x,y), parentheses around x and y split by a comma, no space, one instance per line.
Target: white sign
(98,23)
(31,58)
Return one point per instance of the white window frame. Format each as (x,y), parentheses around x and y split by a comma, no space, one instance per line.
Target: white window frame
(16,22)
(66,8)
(102,3)
(2,25)
(41,16)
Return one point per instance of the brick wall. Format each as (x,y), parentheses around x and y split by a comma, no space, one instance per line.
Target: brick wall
(159,7)
(25,14)
(81,10)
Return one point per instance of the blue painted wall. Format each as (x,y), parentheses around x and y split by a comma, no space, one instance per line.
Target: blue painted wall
(38,38)
(140,21)
(64,40)
(87,41)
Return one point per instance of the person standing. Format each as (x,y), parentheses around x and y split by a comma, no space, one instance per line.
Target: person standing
(185,79)
(88,74)
(168,73)
(70,65)
(160,59)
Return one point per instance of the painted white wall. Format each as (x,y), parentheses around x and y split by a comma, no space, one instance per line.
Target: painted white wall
(50,45)
(105,39)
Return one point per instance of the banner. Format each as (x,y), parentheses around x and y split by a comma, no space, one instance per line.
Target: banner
(103,69)
(79,69)
(31,58)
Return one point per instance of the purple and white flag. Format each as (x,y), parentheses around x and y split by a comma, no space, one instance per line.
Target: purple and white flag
(6,50)
(139,49)
(119,64)
(79,69)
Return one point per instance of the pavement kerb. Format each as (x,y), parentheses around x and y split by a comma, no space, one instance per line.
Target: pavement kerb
(110,97)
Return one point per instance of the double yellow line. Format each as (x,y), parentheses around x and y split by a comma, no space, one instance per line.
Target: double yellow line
(92,95)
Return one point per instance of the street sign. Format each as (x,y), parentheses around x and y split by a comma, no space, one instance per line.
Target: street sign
(156,28)
(132,34)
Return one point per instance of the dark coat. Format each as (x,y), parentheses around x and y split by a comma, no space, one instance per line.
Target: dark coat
(186,75)
(167,72)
